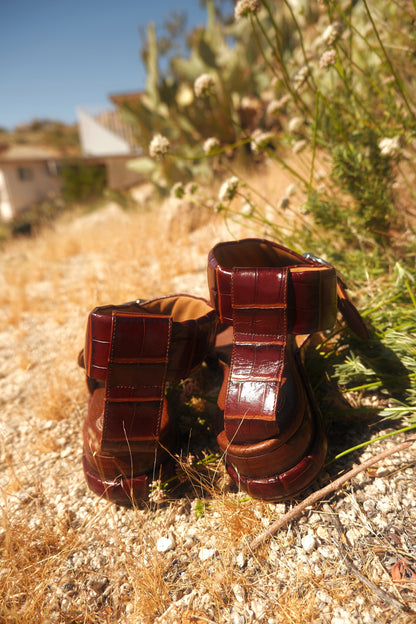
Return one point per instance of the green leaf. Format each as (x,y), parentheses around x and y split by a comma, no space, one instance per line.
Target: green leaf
(142,165)
(206,53)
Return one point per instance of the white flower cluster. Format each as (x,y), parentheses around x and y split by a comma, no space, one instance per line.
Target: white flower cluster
(210,145)
(204,85)
(228,189)
(244,8)
(331,33)
(276,106)
(327,59)
(179,190)
(159,146)
(299,146)
(389,147)
(156,494)
(295,125)
(260,140)
(300,77)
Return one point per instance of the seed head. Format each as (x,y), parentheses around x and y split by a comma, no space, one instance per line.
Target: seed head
(327,59)
(331,33)
(210,145)
(247,209)
(156,494)
(204,85)
(260,140)
(228,189)
(295,125)
(245,8)
(159,146)
(299,146)
(389,147)
(275,106)
(300,77)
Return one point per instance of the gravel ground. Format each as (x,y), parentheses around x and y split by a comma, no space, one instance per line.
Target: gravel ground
(68,556)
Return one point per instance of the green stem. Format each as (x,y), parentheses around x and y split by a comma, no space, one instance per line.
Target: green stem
(295,21)
(411,294)
(315,132)
(279,58)
(378,439)
(387,58)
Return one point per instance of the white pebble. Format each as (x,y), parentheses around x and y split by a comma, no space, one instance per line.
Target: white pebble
(380,485)
(206,553)
(369,505)
(308,543)
(240,559)
(323,533)
(239,593)
(353,535)
(165,543)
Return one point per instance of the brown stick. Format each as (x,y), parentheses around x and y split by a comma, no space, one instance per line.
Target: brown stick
(383,595)
(328,489)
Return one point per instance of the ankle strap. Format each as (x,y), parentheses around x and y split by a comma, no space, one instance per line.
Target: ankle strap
(133,350)
(313,287)
(194,324)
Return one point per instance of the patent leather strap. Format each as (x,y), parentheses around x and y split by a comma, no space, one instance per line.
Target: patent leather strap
(193,333)
(260,312)
(133,350)
(314,290)
(136,376)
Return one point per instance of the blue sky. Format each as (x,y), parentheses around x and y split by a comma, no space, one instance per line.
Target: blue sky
(58,55)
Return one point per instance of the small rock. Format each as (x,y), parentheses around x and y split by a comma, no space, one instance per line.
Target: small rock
(239,593)
(369,505)
(385,505)
(308,543)
(206,553)
(258,607)
(240,560)
(322,533)
(352,535)
(164,544)
(237,618)
(380,485)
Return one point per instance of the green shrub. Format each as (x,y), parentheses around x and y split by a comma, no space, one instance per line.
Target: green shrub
(83,181)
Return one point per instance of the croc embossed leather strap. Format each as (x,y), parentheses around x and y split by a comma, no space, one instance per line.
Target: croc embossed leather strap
(131,352)
(271,432)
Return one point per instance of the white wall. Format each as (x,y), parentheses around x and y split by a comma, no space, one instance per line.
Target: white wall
(21,193)
(96,140)
(6,211)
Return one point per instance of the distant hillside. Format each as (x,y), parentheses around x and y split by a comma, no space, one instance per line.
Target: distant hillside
(44,132)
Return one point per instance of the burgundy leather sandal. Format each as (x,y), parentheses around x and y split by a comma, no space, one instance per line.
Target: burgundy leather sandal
(132,352)
(270,429)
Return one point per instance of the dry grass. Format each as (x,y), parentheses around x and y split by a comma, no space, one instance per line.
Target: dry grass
(70,557)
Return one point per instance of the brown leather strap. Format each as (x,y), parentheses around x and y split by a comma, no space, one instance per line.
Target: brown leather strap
(133,350)
(193,333)
(313,290)
(136,375)
(350,313)
(260,312)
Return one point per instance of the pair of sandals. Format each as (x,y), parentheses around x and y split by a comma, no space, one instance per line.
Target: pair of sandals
(267,300)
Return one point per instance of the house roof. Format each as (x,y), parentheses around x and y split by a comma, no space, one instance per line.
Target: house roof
(131,98)
(26,153)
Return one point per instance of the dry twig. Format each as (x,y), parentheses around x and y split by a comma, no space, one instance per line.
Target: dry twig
(383,595)
(328,489)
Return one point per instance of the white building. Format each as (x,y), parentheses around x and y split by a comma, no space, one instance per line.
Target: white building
(28,174)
